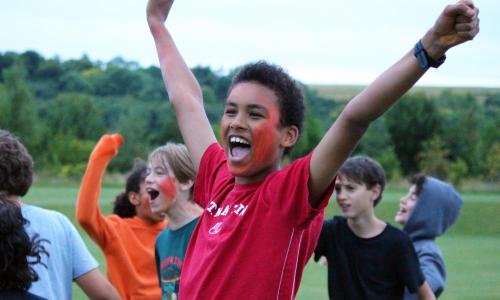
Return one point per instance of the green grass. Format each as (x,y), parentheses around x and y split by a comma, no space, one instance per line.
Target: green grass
(471,247)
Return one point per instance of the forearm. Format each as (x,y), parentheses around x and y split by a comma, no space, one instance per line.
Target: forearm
(425,293)
(87,208)
(379,96)
(96,287)
(184,93)
(182,87)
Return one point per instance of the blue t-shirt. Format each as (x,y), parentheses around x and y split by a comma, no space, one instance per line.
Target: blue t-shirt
(170,250)
(68,257)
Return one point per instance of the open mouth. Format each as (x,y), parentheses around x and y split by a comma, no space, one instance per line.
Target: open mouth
(344,206)
(239,147)
(153,194)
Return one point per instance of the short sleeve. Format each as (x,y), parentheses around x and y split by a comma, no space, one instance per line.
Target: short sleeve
(409,266)
(82,260)
(213,163)
(322,245)
(288,189)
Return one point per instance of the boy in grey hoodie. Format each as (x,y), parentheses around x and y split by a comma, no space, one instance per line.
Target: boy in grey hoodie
(426,212)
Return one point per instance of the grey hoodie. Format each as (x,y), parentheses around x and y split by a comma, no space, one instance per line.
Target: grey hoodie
(437,208)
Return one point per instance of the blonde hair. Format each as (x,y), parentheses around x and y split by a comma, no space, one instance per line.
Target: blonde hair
(175,157)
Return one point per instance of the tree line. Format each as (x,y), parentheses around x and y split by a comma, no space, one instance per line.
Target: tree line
(59,109)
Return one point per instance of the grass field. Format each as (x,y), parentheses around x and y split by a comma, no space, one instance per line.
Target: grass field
(471,247)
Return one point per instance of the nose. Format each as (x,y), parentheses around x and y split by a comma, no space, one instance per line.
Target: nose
(402,200)
(340,194)
(148,179)
(238,121)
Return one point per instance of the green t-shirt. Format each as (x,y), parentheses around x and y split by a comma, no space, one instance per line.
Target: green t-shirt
(170,249)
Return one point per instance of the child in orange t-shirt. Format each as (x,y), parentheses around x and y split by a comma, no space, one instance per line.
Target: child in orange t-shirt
(127,237)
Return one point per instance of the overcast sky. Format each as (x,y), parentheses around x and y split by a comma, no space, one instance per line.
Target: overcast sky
(317,41)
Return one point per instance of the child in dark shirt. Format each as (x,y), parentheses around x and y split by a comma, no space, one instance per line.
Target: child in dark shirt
(367,258)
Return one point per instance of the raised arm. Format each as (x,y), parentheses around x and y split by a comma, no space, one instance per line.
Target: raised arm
(88,213)
(183,89)
(456,24)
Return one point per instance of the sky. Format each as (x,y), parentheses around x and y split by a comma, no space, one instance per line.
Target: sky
(317,41)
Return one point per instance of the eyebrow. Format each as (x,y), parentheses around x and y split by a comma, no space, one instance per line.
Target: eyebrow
(249,106)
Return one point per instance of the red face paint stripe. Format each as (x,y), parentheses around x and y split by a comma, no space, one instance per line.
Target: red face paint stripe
(168,188)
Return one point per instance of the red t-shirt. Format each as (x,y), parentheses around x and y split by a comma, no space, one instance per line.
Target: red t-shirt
(252,241)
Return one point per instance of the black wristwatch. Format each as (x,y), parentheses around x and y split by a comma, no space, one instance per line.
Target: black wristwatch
(424,60)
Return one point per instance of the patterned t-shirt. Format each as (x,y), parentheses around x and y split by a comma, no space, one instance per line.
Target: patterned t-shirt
(170,250)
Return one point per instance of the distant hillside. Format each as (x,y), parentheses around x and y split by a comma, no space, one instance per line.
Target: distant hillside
(346,92)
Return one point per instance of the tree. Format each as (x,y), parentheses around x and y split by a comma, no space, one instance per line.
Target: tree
(18,111)
(493,162)
(460,133)
(74,115)
(411,122)
(311,135)
(433,159)
(376,143)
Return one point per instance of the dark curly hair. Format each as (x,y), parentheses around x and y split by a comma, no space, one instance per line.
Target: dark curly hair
(16,166)
(16,271)
(122,205)
(364,170)
(418,180)
(289,93)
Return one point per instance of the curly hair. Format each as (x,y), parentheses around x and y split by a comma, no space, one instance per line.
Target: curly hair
(16,271)
(16,166)
(364,170)
(122,205)
(418,180)
(290,95)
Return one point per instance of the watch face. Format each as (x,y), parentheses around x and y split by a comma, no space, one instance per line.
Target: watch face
(424,60)
(421,56)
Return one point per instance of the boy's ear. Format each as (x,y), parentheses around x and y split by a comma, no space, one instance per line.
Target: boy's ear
(133,198)
(186,186)
(376,190)
(290,136)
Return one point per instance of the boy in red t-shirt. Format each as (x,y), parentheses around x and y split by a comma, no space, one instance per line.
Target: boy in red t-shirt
(260,223)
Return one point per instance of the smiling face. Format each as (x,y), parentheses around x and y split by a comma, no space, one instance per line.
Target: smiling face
(141,200)
(251,133)
(355,199)
(161,186)
(406,205)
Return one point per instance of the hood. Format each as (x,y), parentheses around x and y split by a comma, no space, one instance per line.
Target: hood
(437,208)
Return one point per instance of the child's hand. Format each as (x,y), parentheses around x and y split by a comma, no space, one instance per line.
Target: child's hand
(157,10)
(107,147)
(458,23)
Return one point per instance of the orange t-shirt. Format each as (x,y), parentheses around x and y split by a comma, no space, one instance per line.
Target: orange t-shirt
(127,243)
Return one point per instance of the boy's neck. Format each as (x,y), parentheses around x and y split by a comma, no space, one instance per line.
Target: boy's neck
(183,212)
(13,198)
(257,177)
(366,227)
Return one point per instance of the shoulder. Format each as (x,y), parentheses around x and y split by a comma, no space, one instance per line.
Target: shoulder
(164,234)
(396,233)
(396,237)
(334,224)
(34,213)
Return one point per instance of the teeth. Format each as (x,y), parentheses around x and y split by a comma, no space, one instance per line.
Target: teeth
(235,139)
